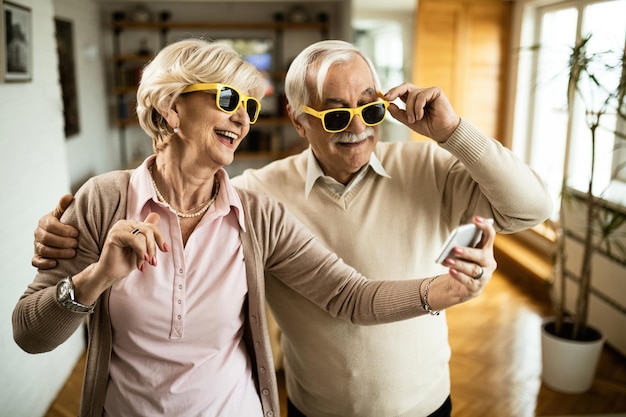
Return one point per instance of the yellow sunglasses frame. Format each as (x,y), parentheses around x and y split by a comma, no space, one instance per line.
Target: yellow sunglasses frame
(352,110)
(219,87)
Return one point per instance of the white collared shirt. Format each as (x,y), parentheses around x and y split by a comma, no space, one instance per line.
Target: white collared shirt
(314,171)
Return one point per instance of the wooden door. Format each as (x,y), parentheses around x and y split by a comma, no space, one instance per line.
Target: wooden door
(461,46)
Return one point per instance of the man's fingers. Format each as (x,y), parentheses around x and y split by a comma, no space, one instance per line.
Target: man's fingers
(64,202)
(54,253)
(56,238)
(50,229)
(43,263)
(398,113)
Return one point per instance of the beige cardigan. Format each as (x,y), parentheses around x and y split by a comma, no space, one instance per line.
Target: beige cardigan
(274,242)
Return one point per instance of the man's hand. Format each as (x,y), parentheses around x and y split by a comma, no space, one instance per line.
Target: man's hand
(428,111)
(53,239)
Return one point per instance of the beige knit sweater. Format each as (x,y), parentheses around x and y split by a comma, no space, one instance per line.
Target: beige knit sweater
(390,227)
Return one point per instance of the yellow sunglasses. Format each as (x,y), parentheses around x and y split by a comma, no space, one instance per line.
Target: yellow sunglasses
(228,99)
(338,120)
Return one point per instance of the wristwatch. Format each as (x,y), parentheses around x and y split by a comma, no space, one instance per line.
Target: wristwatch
(66,298)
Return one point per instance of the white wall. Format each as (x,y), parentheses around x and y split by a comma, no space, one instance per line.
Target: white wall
(95,149)
(33,174)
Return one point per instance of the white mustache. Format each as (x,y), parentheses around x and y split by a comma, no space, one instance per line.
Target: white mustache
(349,137)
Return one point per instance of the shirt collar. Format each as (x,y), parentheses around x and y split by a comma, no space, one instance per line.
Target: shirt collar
(142,191)
(314,171)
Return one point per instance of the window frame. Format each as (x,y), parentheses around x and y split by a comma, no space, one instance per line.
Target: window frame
(527,31)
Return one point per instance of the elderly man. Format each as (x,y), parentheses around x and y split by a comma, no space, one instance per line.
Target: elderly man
(385,208)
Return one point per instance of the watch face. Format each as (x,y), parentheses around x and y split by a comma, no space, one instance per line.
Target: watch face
(63,290)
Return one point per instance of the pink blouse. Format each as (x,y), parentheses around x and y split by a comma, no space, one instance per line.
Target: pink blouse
(178,327)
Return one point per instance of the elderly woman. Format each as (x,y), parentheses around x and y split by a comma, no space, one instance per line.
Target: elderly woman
(171,259)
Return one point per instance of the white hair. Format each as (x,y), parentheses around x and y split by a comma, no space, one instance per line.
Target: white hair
(186,62)
(307,73)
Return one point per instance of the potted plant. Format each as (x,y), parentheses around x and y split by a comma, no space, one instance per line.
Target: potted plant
(599,223)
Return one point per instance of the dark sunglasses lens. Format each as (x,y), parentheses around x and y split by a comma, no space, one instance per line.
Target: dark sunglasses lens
(374,113)
(229,99)
(252,108)
(337,120)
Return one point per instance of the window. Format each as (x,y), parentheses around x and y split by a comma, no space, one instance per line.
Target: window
(551,137)
(381,41)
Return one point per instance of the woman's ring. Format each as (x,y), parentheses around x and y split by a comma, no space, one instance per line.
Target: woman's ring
(136,232)
(480,275)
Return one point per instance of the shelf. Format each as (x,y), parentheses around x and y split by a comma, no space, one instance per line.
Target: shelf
(122,90)
(321,26)
(262,122)
(127,122)
(270,130)
(272,121)
(133,58)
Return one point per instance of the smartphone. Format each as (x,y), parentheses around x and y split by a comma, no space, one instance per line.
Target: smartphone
(465,235)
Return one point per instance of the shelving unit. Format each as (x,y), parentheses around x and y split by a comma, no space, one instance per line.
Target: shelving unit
(266,138)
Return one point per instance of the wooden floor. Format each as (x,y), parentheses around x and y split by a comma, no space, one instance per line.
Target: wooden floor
(495,366)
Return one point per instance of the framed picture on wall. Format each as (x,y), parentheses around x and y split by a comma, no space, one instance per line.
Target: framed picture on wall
(67,74)
(2,65)
(17,42)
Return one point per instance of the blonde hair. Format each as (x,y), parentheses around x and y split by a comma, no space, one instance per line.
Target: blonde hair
(181,64)
(307,73)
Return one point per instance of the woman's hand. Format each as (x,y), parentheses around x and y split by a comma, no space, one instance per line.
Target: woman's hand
(129,244)
(469,271)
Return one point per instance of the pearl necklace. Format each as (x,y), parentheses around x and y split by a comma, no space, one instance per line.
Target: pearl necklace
(203,209)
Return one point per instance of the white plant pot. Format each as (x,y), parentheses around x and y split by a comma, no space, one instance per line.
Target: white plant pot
(569,366)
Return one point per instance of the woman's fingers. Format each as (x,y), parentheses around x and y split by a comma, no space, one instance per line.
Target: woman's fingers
(144,238)
(131,244)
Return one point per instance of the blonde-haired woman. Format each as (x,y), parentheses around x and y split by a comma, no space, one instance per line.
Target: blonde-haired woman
(171,259)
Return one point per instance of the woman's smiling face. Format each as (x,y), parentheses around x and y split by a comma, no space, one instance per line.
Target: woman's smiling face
(208,131)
